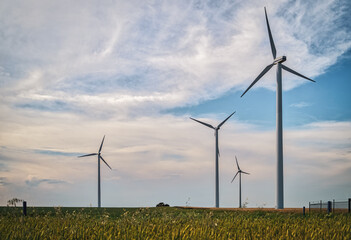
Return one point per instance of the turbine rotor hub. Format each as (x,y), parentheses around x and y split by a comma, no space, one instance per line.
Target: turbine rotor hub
(279,59)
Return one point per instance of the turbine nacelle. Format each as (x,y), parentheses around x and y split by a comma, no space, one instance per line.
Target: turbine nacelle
(210,126)
(279,60)
(275,62)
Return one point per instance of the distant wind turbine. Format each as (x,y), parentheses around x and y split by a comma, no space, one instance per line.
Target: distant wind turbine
(217,152)
(279,118)
(239,172)
(99,178)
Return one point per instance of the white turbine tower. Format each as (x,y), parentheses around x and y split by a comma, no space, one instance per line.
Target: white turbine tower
(239,172)
(99,178)
(277,61)
(217,152)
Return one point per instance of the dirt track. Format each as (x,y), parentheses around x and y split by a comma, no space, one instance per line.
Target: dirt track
(287,210)
(295,210)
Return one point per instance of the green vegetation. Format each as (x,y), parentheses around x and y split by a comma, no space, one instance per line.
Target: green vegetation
(13,202)
(169,223)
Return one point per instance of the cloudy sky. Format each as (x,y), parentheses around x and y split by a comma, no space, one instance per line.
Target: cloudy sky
(135,71)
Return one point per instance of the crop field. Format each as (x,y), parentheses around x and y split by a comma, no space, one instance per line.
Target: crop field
(169,223)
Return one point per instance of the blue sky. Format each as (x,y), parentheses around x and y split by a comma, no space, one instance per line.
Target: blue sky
(71,72)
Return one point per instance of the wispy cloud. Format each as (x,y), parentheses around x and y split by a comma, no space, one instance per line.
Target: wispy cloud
(57,153)
(3,181)
(33,181)
(300,105)
(157,55)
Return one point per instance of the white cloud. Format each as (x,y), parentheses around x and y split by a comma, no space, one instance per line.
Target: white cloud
(158,55)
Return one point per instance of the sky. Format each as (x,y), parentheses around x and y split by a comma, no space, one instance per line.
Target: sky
(135,71)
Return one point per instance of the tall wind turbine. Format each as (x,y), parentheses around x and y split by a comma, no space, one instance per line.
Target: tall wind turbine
(239,172)
(217,152)
(99,178)
(277,61)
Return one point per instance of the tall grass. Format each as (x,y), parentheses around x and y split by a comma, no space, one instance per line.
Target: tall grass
(169,223)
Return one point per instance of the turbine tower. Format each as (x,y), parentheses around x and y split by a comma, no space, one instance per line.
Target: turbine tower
(217,153)
(99,178)
(239,172)
(279,121)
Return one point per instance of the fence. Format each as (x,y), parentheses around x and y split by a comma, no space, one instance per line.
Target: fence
(330,206)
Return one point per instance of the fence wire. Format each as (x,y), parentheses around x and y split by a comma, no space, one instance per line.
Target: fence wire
(335,205)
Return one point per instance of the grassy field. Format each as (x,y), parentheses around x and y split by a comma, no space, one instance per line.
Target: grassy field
(169,223)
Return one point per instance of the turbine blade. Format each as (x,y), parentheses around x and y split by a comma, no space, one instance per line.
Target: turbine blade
(102,143)
(105,162)
(259,76)
(220,125)
(206,124)
(237,164)
(296,73)
(218,152)
(87,155)
(234,176)
(274,51)
(245,172)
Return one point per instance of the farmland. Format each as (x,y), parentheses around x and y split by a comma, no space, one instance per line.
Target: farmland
(169,223)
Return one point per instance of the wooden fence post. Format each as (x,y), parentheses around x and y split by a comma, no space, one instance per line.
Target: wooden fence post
(24,208)
(329,206)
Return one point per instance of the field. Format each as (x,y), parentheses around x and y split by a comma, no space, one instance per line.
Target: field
(170,223)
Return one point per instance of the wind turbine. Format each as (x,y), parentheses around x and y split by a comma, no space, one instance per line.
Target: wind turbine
(99,178)
(239,172)
(217,152)
(279,118)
